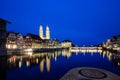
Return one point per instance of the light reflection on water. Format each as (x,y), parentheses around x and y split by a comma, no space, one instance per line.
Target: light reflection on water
(49,62)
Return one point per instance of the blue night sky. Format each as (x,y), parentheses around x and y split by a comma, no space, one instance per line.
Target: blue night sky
(81,21)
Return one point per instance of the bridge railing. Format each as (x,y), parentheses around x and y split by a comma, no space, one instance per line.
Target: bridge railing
(85,48)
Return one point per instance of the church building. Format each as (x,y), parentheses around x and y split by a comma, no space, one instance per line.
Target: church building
(47,33)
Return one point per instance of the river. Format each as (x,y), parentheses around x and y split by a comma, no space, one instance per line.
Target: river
(53,65)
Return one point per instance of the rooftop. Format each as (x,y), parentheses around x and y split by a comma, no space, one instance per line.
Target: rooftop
(4,21)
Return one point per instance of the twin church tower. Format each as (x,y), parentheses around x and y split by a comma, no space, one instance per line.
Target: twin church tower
(41,33)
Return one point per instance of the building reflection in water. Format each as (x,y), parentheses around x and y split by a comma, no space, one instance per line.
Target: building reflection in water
(48,64)
(43,58)
(42,65)
(27,63)
(20,64)
(104,53)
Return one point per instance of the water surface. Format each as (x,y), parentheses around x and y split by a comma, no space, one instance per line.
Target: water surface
(53,65)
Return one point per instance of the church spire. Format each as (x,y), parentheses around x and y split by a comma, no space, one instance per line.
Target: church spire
(47,32)
(41,32)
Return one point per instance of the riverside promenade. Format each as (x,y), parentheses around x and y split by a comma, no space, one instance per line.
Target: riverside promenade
(33,50)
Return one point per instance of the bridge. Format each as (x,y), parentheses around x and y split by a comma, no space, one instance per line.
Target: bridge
(82,49)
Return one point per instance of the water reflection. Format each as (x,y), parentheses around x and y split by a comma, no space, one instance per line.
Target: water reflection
(43,59)
(42,65)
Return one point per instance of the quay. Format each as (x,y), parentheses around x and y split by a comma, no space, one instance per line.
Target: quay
(48,49)
(32,50)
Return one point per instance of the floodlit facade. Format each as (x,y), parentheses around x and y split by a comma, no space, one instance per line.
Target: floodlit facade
(109,44)
(11,40)
(20,41)
(41,32)
(47,32)
(66,43)
(33,41)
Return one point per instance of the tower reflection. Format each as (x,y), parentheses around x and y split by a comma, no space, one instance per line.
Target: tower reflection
(48,64)
(42,65)
(47,61)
